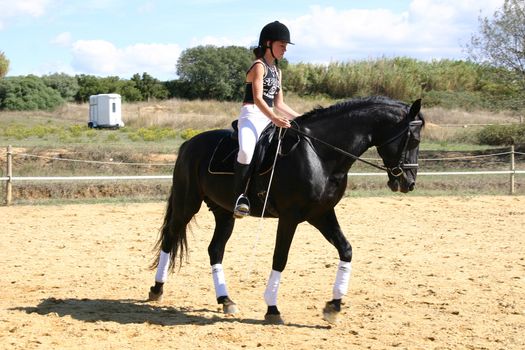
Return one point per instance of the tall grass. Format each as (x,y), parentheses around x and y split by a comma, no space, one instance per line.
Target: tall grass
(446,83)
(400,78)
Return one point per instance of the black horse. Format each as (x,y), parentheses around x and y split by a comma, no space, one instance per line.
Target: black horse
(309,179)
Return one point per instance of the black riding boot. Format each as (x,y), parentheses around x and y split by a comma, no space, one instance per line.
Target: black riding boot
(240,182)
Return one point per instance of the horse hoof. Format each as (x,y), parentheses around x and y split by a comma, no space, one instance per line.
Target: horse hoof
(154,296)
(228,306)
(230,309)
(273,319)
(330,313)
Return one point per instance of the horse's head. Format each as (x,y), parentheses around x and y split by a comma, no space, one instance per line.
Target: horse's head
(400,151)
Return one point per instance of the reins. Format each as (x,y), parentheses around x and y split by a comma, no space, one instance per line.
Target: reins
(342,151)
(395,171)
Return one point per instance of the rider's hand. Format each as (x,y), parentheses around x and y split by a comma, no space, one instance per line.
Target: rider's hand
(281,122)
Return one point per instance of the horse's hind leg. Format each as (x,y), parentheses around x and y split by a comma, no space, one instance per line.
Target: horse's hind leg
(180,210)
(224,223)
(331,230)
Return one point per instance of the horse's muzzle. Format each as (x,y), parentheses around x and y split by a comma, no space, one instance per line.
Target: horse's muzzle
(402,184)
(393,184)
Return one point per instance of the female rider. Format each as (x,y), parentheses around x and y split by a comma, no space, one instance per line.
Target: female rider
(263,98)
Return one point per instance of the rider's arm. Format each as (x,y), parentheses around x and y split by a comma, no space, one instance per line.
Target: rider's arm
(256,74)
(281,106)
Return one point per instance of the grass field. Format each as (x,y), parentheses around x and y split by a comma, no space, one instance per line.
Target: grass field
(153,133)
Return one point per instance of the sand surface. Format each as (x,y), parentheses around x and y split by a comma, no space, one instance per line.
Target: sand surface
(428,273)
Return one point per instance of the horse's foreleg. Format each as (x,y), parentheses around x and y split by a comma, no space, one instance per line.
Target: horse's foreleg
(342,280)
(270,297)
(285,233)
(221,291)
(331,230)
(224,223)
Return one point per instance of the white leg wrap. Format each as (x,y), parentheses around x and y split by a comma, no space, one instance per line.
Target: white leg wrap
(342,279)
(219,281)
(270,294)
(162,269)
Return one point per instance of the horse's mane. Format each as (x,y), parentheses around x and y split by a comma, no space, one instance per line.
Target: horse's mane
(361,105)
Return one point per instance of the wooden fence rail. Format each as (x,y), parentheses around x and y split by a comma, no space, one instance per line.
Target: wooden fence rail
(9,179)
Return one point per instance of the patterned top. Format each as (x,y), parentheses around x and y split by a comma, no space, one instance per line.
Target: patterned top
(271,84)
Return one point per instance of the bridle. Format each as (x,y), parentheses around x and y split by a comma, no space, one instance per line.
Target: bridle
(410,131)
(401,166)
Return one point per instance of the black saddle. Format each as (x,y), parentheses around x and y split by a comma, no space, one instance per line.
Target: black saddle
(225,153)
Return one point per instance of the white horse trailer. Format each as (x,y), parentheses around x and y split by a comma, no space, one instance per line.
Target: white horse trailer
(105,111)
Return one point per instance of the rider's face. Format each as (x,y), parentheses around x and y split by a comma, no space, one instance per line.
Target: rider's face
(279,48)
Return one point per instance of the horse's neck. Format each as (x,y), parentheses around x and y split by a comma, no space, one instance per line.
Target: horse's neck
(342,134)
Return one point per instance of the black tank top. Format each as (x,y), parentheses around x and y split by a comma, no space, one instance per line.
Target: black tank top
(271,84)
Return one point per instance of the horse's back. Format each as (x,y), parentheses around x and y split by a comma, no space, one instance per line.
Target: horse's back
(202,145)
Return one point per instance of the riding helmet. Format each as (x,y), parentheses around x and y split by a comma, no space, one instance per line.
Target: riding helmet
(274,31)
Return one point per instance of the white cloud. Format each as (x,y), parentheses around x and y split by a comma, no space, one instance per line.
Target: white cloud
(62,39)
(10,9)
(33,8)
(222,41)
(100,57)
(428,29)
(146,8)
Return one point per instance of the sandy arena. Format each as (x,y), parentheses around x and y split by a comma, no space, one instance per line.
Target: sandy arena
(428,273)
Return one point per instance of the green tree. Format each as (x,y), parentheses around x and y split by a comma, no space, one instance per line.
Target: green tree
(88,85)
(65,84)
(129,92)
(27,93)
(149,87)
(211,72)
(91,85)
(501,41)
(4,65)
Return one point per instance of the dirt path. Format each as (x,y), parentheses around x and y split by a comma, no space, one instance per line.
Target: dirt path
(428,273)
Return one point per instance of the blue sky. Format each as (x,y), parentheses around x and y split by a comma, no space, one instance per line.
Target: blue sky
(123,37)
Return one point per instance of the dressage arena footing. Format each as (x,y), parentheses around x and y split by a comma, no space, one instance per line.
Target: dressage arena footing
(428,273)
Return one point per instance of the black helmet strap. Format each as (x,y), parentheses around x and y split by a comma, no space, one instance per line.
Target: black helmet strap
(264,47)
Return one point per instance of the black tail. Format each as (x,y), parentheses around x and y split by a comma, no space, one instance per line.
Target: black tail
(172,238)
(183,204)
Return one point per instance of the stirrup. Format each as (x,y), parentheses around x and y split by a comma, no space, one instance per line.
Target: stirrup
(242,207)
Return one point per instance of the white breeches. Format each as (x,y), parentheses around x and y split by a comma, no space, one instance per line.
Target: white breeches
(251,124)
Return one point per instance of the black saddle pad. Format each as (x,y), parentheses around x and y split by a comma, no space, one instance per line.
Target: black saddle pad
(225,154)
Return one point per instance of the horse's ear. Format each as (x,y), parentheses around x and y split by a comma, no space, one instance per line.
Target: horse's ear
(414,109)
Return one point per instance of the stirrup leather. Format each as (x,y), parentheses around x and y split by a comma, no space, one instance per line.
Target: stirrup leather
(242,207)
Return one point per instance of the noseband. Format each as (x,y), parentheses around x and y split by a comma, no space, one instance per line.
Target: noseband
(396,171)
(401,166)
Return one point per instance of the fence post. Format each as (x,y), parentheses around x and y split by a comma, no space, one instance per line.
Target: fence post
(513,169)
(9,183)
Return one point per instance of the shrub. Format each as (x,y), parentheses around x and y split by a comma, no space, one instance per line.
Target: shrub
(152,133)
(187,134)
(112,137)
(499,135)
(468,100)
(27,93)
(66,85)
